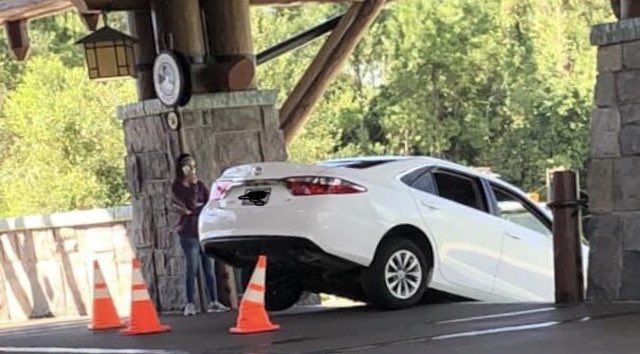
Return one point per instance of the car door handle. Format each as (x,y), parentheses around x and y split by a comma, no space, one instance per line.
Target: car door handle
(429,205)
(513,235)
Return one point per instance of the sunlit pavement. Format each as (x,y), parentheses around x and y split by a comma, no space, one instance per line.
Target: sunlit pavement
(465,328)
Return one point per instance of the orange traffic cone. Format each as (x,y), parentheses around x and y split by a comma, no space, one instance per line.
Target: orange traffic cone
(104,313)
(144,319)
(253,317)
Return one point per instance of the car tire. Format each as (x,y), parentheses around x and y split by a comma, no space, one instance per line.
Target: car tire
(280,293)
(282,296)
(397,277)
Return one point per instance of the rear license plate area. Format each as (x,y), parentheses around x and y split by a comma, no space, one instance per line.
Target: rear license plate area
(255,196)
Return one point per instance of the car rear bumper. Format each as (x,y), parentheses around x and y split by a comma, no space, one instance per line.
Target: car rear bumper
(323,222)
(283,251)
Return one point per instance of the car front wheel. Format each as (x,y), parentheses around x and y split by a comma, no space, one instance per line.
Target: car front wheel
(397,276)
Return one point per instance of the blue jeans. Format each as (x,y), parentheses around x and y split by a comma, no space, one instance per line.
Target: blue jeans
(193,255)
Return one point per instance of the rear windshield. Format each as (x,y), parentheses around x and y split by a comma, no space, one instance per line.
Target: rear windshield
(355,163)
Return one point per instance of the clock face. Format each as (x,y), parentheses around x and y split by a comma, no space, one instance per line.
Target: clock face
(169,79)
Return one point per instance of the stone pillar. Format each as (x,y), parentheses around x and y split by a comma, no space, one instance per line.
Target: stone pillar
(220,130)
(145,52)
(613,181)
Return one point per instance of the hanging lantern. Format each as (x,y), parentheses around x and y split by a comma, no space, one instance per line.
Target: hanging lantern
(109,53)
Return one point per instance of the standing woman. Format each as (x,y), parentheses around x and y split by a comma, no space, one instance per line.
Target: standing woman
(189,196)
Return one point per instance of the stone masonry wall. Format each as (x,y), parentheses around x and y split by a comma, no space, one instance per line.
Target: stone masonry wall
(46,263)
(220,130)
(613,176)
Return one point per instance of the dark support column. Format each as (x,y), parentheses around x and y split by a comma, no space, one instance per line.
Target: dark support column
(566,238)
(18,36)
(230,44)
(145,51)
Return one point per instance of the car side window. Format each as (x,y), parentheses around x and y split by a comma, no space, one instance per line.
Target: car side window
(460,189)
(515,210)
(425,183)
(420,179)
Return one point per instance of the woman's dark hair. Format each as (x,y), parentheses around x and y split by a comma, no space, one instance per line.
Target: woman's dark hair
(181,161)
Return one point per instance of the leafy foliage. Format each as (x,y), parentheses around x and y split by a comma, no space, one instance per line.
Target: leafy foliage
(500,83)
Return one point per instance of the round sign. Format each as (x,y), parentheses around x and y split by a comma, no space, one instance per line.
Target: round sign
(170,80)
(172,121)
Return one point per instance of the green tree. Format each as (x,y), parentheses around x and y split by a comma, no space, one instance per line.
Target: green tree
(500,83)
(67,145)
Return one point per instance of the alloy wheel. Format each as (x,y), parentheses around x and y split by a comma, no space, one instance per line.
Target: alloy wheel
(403,274)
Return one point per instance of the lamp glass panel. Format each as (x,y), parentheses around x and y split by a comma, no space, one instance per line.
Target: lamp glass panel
(91,58)
(107,62)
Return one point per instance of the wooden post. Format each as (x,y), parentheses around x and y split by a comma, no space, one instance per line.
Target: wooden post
(625,7)
(319,62)
(328,69)
(18,36)
(178,26)
(184,27)
(91,19)
(145,52)
(566,238)
(230,44)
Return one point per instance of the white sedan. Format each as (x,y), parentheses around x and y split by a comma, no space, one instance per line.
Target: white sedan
(382,230)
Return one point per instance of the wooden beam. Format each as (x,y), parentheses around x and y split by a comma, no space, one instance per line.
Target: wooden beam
(117,5)
(81,5)
(18,37)
(145,52)
(229,40)
(228,28)
(31,9)
(327,65)
(297,2)
(185,26)
(91,20)
(318,64)
(183,32)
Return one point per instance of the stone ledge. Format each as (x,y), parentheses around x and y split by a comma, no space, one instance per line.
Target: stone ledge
(616,32)
(69,219)
(200,102)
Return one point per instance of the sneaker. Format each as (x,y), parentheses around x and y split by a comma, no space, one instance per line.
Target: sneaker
(215,306)
(189,309)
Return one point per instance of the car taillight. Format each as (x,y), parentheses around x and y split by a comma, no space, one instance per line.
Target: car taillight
(218,189)
(300,186)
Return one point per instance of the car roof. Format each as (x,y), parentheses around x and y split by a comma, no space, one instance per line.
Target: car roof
(416,161)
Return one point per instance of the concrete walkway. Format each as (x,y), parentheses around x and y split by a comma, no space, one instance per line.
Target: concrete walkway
(465,328)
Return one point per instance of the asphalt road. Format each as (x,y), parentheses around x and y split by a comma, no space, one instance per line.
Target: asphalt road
(465,328)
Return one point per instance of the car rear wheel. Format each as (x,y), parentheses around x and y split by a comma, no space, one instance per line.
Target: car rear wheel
(281,296)
(397,277)
(281,291)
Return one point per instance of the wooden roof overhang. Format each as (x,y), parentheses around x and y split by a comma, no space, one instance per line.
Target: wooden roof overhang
(346,31)
(16,10)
